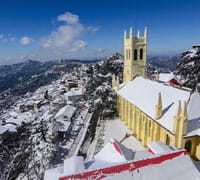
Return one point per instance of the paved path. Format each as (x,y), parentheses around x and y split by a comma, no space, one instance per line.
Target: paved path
(73,151)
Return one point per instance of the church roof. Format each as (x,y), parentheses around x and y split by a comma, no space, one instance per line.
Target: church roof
(166,77)
(115,162)
(143,93)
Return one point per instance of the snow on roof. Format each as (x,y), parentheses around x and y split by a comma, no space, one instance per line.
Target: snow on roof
(10,127)
(14,121)
(194,115)
(74,92)
(61,125)
(67,111)
(13,114)
(115,153)
(179,168)
(175,165)
(158,147)
(76,165)
(143,93)
(19,118)
(165,77)
(3,129)
(59,99)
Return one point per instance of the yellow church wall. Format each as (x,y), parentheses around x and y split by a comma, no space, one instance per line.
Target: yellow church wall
(149,130)
(142,126)
(163,137)
(132,117)
(146,129)
(195,146)
(197,153)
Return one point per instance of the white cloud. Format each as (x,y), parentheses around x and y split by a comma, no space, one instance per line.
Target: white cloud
(92,29)
(101,50)
(7,38)
(25,40)
(12,39)
(66,38)
(68,18)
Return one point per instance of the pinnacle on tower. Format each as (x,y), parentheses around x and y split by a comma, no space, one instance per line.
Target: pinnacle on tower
(131,32)
(158,110)
(138,34)
(184,118)
(177,117)
(125,36)
(145,32)
(179,108)
(184,112)
(159,100)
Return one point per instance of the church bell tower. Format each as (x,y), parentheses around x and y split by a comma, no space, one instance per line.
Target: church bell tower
(135,55)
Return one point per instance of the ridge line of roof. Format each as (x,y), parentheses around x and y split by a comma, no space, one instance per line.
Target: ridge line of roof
(166,84)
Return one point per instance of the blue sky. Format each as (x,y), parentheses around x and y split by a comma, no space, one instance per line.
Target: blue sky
(86,29)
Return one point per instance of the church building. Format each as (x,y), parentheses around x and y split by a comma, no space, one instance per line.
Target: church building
(156,110)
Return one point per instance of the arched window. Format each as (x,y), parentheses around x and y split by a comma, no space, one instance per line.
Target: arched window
(135,54)
(188,145)
(167,139)
(141,53)
(126,53)
(129,53)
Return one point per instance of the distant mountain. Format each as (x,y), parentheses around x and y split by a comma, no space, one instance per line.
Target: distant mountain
(11,75)
(165,62)
(79,61)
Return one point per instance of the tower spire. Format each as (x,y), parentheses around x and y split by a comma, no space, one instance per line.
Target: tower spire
(158,112)
(138,34)
(145,32)
(184,118)
(185,110)
(125,36)
(179,108)
(131,32)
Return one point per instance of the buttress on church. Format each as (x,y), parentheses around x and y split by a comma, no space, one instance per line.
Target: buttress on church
(152,109)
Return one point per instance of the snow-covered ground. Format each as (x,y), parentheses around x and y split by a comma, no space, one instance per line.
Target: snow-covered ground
(116,129)
(112,129)
(44,127)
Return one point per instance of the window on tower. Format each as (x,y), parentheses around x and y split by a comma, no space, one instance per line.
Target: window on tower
(135,54)
(141,53)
